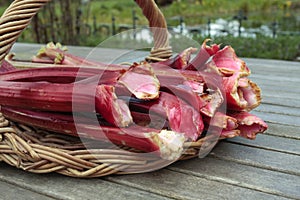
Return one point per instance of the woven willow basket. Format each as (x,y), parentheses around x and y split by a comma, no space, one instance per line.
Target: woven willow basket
(39,151)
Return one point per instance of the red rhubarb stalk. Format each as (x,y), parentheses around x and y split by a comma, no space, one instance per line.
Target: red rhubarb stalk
(181,60)
(168,144)
(66,98)
(186,93)
(114,110)
(221,125)
(6,67)
(229,134)
(165,75)
(61,74)
(198,62)
(213,101)
(182,117)
(227,62)
(241,93)
(210,49)
(222,121)
(139,80)
(150,120)
(57,54)
(249,125)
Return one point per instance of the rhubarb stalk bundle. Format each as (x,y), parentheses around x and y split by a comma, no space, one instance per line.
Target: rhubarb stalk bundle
(152,107)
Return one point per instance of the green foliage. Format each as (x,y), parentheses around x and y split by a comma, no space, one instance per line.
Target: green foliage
(194,12)
(281,47)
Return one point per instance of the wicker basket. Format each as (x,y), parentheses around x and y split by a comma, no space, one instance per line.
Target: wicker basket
(39,151)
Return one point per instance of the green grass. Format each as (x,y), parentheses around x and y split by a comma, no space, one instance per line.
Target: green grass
(195,13)
(191,10)
(282,47)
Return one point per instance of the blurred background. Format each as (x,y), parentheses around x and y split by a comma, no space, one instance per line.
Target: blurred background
(256,28)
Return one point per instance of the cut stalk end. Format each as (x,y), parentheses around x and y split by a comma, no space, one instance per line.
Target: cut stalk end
(170,144)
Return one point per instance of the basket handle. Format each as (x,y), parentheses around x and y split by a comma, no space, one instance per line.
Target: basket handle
(19,14)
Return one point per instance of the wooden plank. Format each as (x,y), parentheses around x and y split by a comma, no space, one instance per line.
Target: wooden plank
(268,108)
(281,100)
(284,131)
(269,142)
(277,97)
(239,175)
(265,159)
(281,72)
(187,186)
(278,118)
(268,64)
(9,191)
(277,84)
(273,67)
(62,187)
(280,89)
(274,79)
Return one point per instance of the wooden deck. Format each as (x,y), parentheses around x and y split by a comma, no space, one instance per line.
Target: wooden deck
(266,168)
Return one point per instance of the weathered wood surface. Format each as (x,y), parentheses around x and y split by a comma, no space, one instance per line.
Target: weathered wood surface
(266,168)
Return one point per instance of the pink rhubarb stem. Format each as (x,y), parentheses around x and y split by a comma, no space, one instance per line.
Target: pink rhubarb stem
(249,124)
(241,93)
(66,98)
(168,144)
(181,117)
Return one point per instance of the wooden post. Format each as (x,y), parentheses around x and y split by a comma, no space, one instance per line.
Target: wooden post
(240,17)
(113,25)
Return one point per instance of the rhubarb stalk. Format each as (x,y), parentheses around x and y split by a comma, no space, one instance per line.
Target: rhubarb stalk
(182,117)
(249,125)
(168,144)
(241,93)
(63,98)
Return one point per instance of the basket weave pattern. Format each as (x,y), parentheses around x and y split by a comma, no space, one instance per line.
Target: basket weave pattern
(39,151)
